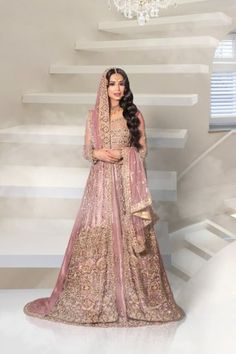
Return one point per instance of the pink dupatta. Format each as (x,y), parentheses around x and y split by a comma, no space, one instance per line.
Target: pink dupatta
(142,301)
(138,198)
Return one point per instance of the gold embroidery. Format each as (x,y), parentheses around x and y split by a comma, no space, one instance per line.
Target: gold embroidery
(104,123)
(143,214)
(150,297)
(141,205)
(120,134)
(89,292)
(99,272)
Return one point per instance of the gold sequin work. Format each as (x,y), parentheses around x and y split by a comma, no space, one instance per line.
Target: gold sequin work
(103,282)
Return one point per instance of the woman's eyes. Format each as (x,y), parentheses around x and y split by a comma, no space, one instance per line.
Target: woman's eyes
(113,83)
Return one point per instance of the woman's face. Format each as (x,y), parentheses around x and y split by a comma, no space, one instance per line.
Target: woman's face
(116,87)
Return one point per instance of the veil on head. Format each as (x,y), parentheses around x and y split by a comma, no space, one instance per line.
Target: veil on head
(100,116)
(138,198)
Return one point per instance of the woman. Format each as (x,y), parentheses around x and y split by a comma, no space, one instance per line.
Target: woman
(112,272)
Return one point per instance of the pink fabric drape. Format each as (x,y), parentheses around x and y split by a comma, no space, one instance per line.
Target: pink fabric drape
(140,202)
(106,272)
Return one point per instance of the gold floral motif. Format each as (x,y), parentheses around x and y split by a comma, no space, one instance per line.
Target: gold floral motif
(104,267)
(104,123)
(89,282)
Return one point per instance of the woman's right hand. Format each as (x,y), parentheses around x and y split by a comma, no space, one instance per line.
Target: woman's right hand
(105,155)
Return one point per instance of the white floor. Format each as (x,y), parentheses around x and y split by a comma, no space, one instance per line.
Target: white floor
(209,300)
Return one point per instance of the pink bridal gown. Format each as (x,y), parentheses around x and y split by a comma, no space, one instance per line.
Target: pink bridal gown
(112,273)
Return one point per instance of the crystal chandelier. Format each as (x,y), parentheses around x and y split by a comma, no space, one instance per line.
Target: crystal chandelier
(142,9)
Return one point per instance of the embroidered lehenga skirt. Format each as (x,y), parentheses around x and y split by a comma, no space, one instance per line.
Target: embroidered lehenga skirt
(103,281)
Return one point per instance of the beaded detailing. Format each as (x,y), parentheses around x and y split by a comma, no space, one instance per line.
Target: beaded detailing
(120,134)
(89,291)
(112,280)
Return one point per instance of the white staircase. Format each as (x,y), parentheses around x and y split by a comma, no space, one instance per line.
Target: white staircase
(187,261)
(172,43)
(74,135)
(69,182)
(226,221)
(195,244)
(43,241)
(206,241)
(58,179)
(90,98)
(33,243)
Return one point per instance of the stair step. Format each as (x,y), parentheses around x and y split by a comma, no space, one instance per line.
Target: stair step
(42,242)
(205,241)
(27,278)
(187,261)
(69,182)
(205,225)
(39,208)
(90,98)
(170,23)
(131,69)
(74,135)
(172,43)
(227,223)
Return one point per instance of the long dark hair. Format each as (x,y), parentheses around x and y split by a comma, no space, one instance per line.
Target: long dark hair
(129,108)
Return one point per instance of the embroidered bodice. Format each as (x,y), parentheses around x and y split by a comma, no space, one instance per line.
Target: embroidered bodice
(120,134)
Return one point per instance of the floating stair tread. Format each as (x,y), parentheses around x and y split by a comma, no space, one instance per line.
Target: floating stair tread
(42,242)
(90,98)
(173,22)
(149,43)
(37,236)
(227,222)
(74,135)
(187,261)
(131,69)
(26,181)
(206,241)
(69,177)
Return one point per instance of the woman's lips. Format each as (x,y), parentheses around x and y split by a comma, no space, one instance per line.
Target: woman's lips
(116,94)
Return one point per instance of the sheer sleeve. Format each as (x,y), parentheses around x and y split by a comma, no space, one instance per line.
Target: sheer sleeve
(143,138)
(88,143)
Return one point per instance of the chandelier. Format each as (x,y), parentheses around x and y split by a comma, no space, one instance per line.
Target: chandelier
(143,10)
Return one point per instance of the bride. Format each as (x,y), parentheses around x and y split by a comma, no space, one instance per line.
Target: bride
(112,274)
